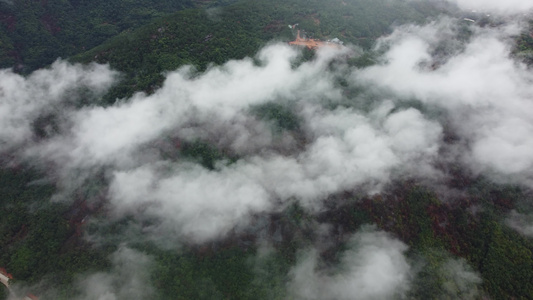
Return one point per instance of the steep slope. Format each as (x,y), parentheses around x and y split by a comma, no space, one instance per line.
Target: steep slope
(202,37)
(35,33)
(289,178)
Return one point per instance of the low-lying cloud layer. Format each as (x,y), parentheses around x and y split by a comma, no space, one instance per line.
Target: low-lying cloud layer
(521,223)
(339,149)
(463,81)
(23,100)
(487,94)
(348,151)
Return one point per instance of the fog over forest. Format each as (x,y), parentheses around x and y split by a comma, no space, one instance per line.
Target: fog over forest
(347,130)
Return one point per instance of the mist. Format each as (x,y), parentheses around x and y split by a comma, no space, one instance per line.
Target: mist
(23,100)
(463,79)
(128,279)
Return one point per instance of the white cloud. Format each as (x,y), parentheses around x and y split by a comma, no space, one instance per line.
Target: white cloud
(496,6)
(522,223)
(193,203)
(487,94)
(23,99)
(109,135)
(459,280)
(337,150)
(374,268)
(349,151)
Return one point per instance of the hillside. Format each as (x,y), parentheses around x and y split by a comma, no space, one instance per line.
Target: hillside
(35,33)
(203,37)
(186,151)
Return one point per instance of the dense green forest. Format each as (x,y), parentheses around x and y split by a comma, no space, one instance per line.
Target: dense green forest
(34,34)
(51,245)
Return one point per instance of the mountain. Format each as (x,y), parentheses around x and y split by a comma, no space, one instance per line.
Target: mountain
(184,150)
(35,33)
(202,37)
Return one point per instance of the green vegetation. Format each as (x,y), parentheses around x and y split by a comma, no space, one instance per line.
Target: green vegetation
(39,239)
(435,230)
(203,37)
(230,273)
(143,39)
(280,115)
(34,34)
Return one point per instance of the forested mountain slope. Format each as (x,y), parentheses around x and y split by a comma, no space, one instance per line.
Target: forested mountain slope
(35,33)
(185,151)
(201,37)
